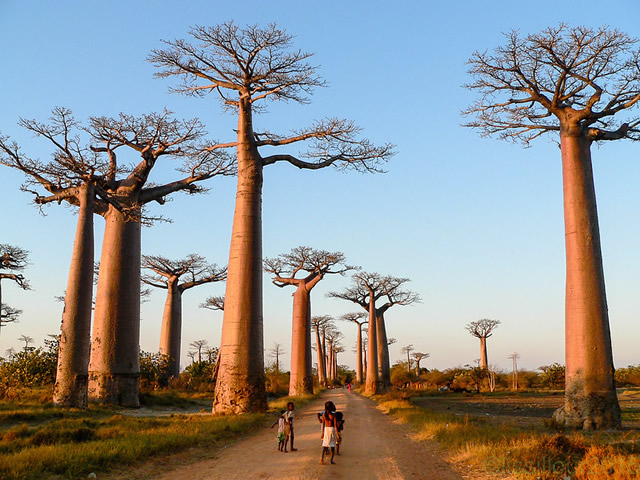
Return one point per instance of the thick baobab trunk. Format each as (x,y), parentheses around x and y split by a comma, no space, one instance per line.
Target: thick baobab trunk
(171,332)
(484,359)
(359,359)
(301,379)
(114,370)
(384,367)
(322,375)
(75,340)
(332,373)
(372,383)
(240,386)
(590,395)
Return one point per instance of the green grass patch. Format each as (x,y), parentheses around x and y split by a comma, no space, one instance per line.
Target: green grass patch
(541,454)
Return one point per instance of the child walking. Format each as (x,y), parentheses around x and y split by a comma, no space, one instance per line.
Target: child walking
(283,427)
(329,431)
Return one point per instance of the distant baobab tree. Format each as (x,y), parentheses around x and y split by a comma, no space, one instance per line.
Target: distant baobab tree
(483,329)
(319,324)
(213,303)
(366,290)
(359,318)
(514,381)
(408,349)
(27,340)
(12,261)
(275,352)
(417,356)
(246,67)
(581,84)
(303,268)
(199,346)
(177,276)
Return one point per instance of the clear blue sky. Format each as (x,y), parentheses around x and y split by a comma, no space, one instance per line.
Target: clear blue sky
(476,223)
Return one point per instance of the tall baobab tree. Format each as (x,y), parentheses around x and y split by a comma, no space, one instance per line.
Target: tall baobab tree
(514,357)
(417,356)
(483,329)
(319,323)
(357,318)
(167,274)
(408,349)
(275,353)
(578,83)
(247,67)
(12,261)
(74,175)
(303,268)
(367,289)
(114,364)
(334,337)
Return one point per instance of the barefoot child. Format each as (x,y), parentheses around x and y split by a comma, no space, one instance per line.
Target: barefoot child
(339,426)
(288,416)
(328,431)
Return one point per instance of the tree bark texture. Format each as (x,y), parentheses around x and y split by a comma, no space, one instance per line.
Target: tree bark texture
(171,331)
(71,385)
(114,369)
(240,386)
(590,395)
(301,379)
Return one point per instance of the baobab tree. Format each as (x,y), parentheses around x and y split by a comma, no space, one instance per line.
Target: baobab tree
(319,324)
(213,303)
(27,340)
(74,176)
(303,268)
(167,274)
(367,289)
(275,353)
(13,260)
(578,83)
(483,329)
(114,364)
(357,318)
(514,357)
(199,346)
(417,356)
(247,67)
(408,349)
(334,337)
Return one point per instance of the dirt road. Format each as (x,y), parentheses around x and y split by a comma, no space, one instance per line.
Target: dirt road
(373,448)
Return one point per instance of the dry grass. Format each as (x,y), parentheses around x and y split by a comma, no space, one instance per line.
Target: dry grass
(503,447)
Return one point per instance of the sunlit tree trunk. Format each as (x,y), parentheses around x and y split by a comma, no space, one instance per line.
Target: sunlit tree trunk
(484,359)
(240,385)
(171,331)
(114,369)
(322,376)
(372,382)
(301,379)
(590,395)
(359,359)
(73,355)
(384,367)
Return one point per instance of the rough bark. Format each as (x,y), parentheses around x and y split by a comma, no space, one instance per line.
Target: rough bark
(301,378)
(590,395)
(240,386)
(73,355)
(114,369)
(171,331)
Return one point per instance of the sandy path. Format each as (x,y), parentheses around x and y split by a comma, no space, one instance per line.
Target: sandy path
(373,448)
